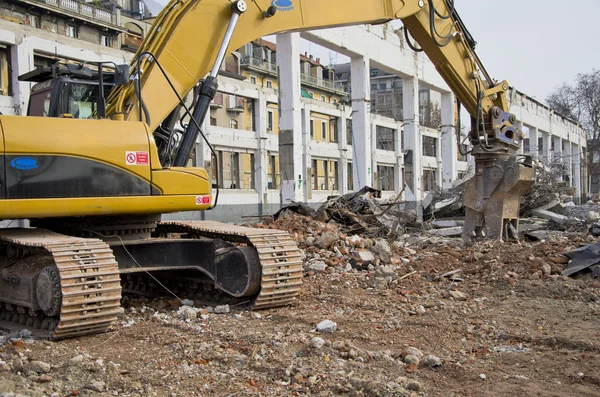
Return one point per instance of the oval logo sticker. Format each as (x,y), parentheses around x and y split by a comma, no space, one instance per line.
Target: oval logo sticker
(283,5)
(24,163)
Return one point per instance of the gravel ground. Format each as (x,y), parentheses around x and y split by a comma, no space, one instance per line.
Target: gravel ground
(508,324)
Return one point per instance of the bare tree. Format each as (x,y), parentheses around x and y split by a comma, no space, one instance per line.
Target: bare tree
(581,103)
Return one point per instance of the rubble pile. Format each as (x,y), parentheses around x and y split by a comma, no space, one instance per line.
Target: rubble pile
(362,212)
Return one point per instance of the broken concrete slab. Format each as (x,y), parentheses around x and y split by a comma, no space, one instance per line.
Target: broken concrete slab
(446,223)
(551,216)
(448,232)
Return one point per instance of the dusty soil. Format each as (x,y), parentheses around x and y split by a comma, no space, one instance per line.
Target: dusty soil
(522,330)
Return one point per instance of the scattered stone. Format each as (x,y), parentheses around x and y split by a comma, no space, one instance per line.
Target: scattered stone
(77,359)
(45,379)
(95,385)
(187,313)
(421,310)
(256,316)
(366,256)
(383,249)
(326,240)
(482,377)
(317,342)
(433,362)
(40,367)
(317,266)
(546,269)
(414,385)
(187,302)
(224,309)
(327,326)
(413,351)
(385,271)
(410,359)
(459,296)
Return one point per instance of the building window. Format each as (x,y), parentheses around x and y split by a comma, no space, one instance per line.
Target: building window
(273,179)
(33,21)
(386,138)
(323,98)
(333,132)
(385,178)
(429,146)
(270,121)
(382,86)
(312,129)
(349,132)
(315,174)
(233,124)
(324,130)
(350,178)
(213,121)
(253,80)
(5,86)
(105,40)
(429,177)
(269,84)
(72,31)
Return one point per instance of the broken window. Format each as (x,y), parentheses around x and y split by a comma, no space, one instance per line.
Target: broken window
(429,146)
(429,180)
(386,138)
(385,178)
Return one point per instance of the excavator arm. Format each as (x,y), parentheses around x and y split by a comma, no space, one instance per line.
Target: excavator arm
(189,39)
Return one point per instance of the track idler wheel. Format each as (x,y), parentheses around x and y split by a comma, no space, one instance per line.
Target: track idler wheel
(48,292)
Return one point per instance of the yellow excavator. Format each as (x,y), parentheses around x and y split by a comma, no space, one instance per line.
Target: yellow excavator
(99,158)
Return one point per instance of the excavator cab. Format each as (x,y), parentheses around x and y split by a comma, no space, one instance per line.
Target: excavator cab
(68,90)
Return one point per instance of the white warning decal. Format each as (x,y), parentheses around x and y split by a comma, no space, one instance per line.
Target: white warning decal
(137,158)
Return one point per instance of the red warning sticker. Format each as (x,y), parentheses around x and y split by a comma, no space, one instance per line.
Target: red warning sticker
(202,200)
(137,158)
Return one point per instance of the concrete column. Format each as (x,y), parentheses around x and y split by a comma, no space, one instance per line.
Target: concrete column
(373,132)
(520,126)
(568,160)
(307,187)
(21,62)
(547,145)
(290,124)
(449,146)
(533,141)
(361,122)
(261,165)
(398,182)
(412,141)
(577,171)
(343,162)
(557,153)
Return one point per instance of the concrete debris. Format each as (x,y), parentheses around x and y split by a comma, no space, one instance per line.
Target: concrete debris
(584,262)
(327,326)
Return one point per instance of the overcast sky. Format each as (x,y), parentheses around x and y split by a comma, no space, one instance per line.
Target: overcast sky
(534,44)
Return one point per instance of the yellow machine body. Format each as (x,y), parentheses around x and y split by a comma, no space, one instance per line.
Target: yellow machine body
(62,167)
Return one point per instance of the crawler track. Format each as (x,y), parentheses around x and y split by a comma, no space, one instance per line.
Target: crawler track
(280,257)
(89,284)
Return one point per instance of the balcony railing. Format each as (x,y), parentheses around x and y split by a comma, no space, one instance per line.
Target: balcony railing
(322,83)
(258,63)
(83,9)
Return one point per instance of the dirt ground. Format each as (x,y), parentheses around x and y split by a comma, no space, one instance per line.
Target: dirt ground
(511,326)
